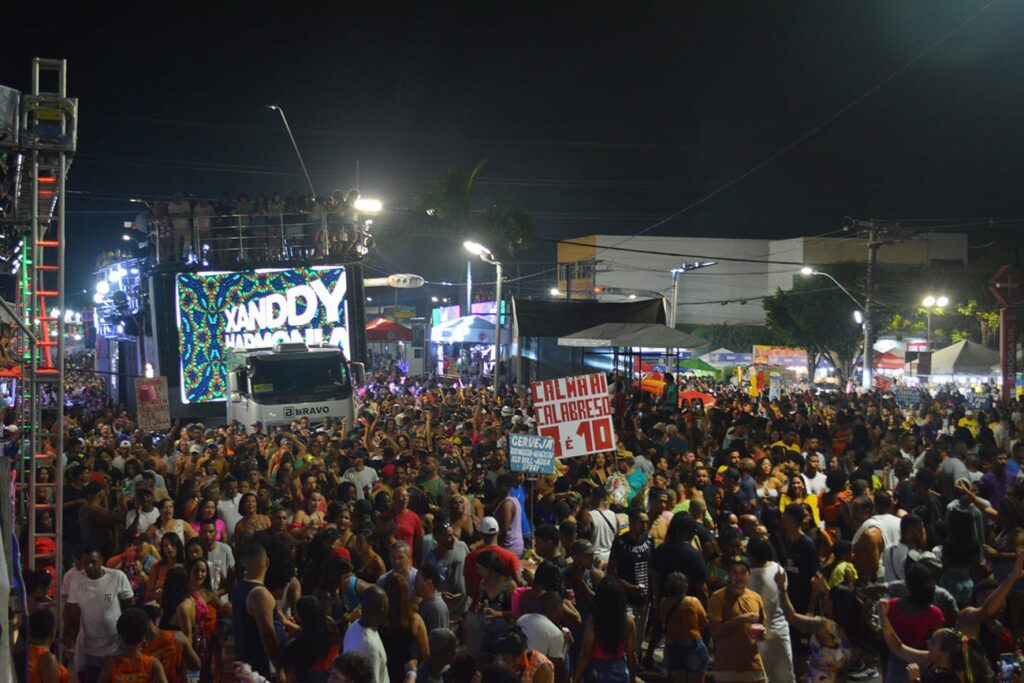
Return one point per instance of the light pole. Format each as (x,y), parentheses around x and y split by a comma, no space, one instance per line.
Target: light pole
(487,256)
(859,315)
(930,302)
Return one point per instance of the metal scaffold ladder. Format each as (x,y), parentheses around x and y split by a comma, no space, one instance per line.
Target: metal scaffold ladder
(48,136)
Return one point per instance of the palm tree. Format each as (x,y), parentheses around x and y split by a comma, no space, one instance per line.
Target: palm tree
(448,206)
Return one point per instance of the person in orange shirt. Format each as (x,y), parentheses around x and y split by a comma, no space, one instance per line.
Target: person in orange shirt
(171,648)
(132,666)
(43,666)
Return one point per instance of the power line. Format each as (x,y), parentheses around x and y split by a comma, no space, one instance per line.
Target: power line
(671,253)
(816,129)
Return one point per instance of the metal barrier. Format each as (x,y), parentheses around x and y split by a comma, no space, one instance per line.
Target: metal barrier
(237,238)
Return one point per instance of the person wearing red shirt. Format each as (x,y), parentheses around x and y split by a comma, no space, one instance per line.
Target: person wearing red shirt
(489,529)
(409,527)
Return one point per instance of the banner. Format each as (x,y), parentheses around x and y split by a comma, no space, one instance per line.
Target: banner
(152,404)
(782,356)
(908,398)
(576,412)
(774,386)
(531,454)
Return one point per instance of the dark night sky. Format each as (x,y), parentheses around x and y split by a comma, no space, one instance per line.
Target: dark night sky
(597,117)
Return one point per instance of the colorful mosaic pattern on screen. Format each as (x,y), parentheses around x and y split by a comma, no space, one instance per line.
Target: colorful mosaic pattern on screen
(202,302)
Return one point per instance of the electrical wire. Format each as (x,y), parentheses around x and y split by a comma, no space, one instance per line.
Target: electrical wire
(816,129)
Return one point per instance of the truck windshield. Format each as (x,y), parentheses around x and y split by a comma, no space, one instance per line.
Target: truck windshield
(307,377)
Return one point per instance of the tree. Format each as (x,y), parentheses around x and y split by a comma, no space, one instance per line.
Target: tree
(818,320)
(448,206)
(979,323)
(739,338)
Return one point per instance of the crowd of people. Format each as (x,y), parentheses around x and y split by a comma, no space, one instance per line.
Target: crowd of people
(819,536)
(240,227)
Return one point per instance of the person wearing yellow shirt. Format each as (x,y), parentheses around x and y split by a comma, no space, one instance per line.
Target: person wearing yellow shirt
(790,441)
(970,422)
(796,492)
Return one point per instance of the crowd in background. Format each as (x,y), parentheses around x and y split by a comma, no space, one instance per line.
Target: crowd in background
(819,536)
(240,227)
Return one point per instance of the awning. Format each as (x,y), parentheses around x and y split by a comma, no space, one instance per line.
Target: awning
(888,361)
(631,335)
(469,328)
(382,330)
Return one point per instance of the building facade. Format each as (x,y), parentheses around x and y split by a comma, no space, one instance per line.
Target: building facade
(745,272)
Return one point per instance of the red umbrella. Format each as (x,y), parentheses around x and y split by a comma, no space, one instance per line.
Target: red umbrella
(382,330)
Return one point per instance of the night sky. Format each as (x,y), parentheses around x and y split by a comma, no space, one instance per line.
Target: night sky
(595,117)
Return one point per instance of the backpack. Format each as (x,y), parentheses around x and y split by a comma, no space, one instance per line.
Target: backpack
(962,546)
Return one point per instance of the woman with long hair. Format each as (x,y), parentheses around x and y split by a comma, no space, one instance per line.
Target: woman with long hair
(608,650)
(367,561)
(188,499)
(913,618)
(166,523)
(172,554)
(252,521)
(208,614)
(181,609)
(796,492)
(208,512)
(683,618)
(308,656)
(844,626)
(768,486)
(403,632)
(949,657)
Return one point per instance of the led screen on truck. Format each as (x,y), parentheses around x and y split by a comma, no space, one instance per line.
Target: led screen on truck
(222,311)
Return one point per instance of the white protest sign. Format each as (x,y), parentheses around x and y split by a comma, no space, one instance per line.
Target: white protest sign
(531,454)
(576,412)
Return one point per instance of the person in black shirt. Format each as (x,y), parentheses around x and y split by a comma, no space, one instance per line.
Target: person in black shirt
(676,554)
(630,561)
(801,556)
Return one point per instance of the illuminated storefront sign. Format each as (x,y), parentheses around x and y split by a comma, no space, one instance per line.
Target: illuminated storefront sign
(219,312)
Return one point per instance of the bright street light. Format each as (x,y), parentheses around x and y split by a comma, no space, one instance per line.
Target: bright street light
(434,299)
(102,287)
(554,291)
(930,303)
(859,317)
(368,205)
(807,270)
(477,249)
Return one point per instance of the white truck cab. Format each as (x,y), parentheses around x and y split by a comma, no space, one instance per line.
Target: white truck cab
(290,382)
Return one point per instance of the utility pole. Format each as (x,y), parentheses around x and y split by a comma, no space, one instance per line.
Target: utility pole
(877,234)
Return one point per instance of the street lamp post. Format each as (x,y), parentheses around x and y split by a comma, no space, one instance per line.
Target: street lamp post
(930,302)
(487,256)
(860,315)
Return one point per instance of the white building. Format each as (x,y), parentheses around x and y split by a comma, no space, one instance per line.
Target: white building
(731,291)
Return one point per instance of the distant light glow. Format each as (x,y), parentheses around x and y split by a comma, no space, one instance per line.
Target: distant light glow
(368,205)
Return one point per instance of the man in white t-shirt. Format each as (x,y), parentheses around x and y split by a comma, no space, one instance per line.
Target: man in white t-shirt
(94,603)
(145,513)
(362,636)
(542,632)
(606,526)
(814,478)
(227,506)
(360,475)
(218,555)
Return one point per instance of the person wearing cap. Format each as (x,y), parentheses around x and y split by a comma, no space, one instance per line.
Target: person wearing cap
(489,530)
(123,453)
(737,618)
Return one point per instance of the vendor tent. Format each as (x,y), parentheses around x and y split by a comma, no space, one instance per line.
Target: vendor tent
(631,335)
(699,365)
(890,360)
(384,331)
(964,358)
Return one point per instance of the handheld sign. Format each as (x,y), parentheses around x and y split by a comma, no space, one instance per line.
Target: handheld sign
(576,412)
(531,454)
(908,398)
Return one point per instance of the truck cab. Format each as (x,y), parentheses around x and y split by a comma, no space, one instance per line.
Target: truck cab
(290,382)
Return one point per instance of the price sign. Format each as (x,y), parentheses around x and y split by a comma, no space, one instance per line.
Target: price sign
(531,454)
(576,412)
(908,398)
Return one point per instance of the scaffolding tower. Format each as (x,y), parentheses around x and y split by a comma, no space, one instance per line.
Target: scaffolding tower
(42,143)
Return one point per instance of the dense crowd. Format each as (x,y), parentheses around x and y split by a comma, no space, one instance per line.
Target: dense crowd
(819,536)
(244,228)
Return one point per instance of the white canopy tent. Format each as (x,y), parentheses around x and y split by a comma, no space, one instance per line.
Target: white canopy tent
(964,358)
